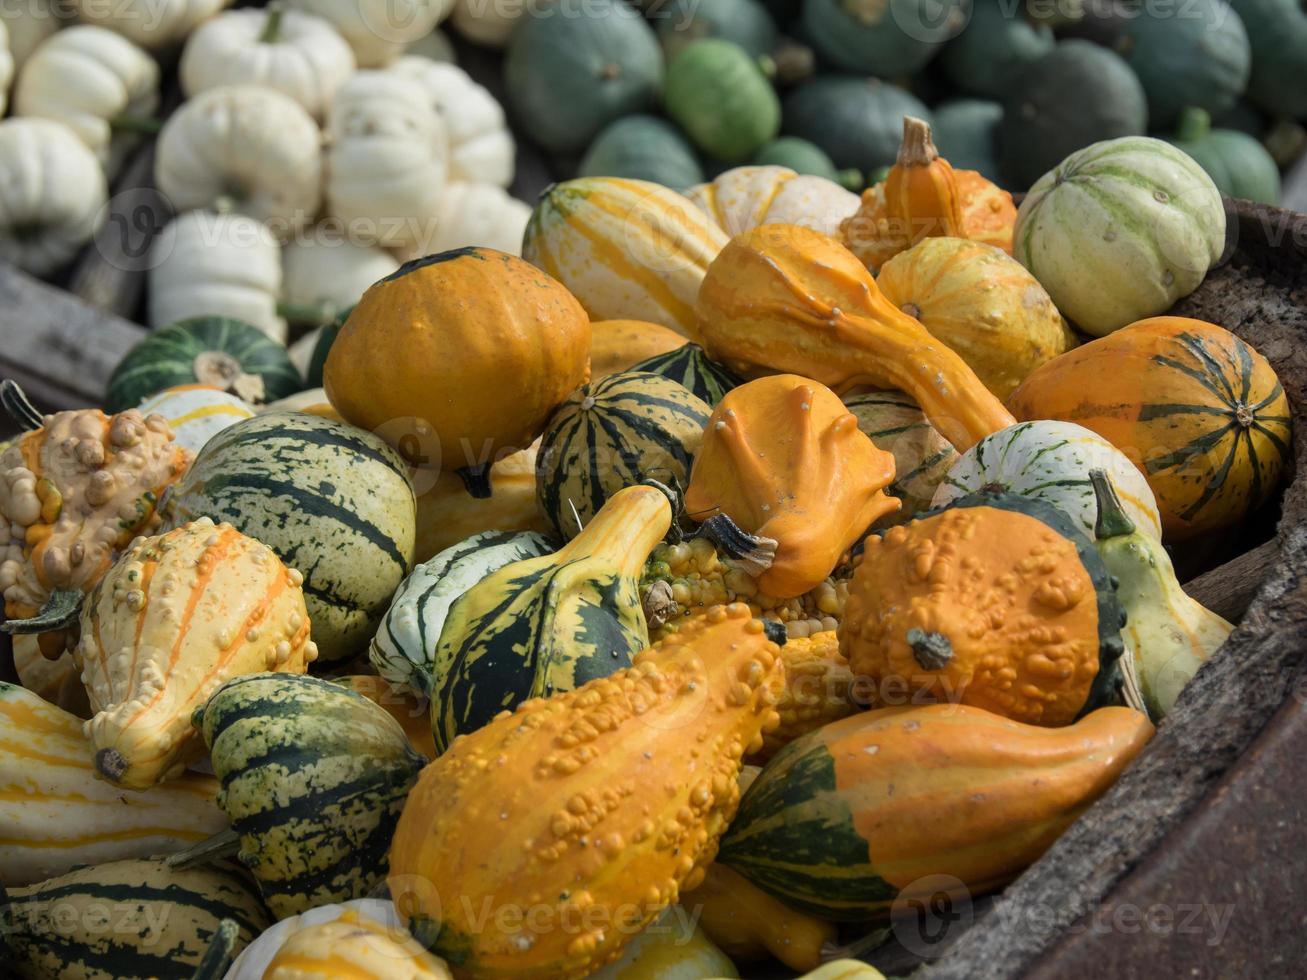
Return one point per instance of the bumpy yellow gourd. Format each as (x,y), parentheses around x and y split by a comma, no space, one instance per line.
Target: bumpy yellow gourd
(819,688)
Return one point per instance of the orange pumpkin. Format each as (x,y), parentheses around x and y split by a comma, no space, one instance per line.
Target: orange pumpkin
(615,345)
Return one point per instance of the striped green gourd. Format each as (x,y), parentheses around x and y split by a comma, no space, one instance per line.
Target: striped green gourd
(922,457)
(211,350)
(330,499)
(620,430)
(693,370)
(126,920)
(314,778)
(548,624)
(405,644)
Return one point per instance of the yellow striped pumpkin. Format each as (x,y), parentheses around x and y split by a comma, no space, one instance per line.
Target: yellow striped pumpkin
(627,249)
(57,815)
(197,412)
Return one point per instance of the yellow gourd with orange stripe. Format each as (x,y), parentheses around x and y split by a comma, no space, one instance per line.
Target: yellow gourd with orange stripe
(627,249)
(177,616)
(197,412)
(357,947)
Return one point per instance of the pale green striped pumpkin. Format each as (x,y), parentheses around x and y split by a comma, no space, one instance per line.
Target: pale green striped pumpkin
(619,431)
(329,499)
(922,457)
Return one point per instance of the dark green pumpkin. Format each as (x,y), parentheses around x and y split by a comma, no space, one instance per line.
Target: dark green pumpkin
(743,22)
(1237,163)
(989,53)
(1075,95)
(693,370)
(1243,116)
(805,157)
(886,40)
(717,93)
(204,350)
(1197,55)
(569,72)
(326,337)
(966,134)
(619,431)
(643,148)
(1277,31)
(858,122)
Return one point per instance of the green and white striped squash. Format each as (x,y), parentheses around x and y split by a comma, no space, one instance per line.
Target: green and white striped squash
(314,778)
(207,350)
(331,500)
(196,413)
(693,370)
(403,649)
(126,920)
(1051,461)
(619,431)
(922,457)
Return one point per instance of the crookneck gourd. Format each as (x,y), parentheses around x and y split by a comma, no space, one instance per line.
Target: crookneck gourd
(616,792)
(785,460)
(1167,633)
(924,197)
(74,491)
(314,776)
(540,626)
(179,614)
(999,602)
(863,811)
(782,298)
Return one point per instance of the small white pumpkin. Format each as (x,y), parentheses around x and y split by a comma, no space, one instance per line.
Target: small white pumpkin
(481,148)
(437,46)
(6,67)
(388,159)
(28,24)
(297,54)
(1051,461)
(250,148)
(52,194)
(209,264)
(379,30)
(152,24)
(474,214)
(95,82)
(326,269)
(745,197)
(488,22)
(197,412)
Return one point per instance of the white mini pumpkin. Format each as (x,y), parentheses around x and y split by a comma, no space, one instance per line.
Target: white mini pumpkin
(474,214)
(52,194)
(488,22)
(89,78)
(745,197)
(481,148)
(209,264)
(152,24)
(6,67)
(388,159)
(196,413)
(28,24)
(250,148)
(330,271)
(379,30)
(298,54)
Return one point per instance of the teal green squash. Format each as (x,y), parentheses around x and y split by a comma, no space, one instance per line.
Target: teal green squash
(329,499)
(1075,95)
(858,122)
(966,134)
(743,22)
(211,350)
(126,920)
(1243,116)
(717,93)
(1197,55)
(693,370)
(403,650)
(569,74)
(314,776)
(1237,163)
(326,337)
(618,431)
(1277,31)
(643,148)
(882,39)
(989,53)
(805,157)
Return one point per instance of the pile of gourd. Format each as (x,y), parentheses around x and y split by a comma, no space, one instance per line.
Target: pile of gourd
(650,604)
(1013,87)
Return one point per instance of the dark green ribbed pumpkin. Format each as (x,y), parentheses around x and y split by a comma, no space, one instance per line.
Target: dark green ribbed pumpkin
(693,370)
(643,148)
(314,777)
(966,134)
(886,40)
(621,430)
(326,337)
(125,920)
(743,22)
(329,499)
(717,93)
(1237,163)
(213,350)
(1277,32)
(989,53)
(858,122)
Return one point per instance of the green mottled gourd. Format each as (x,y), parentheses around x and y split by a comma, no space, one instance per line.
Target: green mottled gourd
(691,368)
(550,624)
(1168,633)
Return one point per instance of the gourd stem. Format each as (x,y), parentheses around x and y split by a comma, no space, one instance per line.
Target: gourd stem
(272,26)
(625,530)
(308,314)
(19,407)
(1112,520)
(127,123)
(476,479)
(917,148)
(221,370)
(60,611)
(931,651)
(1194,125)
(754,552)
(218,957)
(223,844)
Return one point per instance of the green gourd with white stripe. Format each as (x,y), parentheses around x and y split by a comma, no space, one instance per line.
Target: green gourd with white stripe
(693,370)
(330,499)
(548,624)
(126,920)
(621,430)
(314,778)
(922,457)
(405,644)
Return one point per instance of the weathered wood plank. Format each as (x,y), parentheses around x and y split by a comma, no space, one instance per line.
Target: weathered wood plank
(1229,589)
